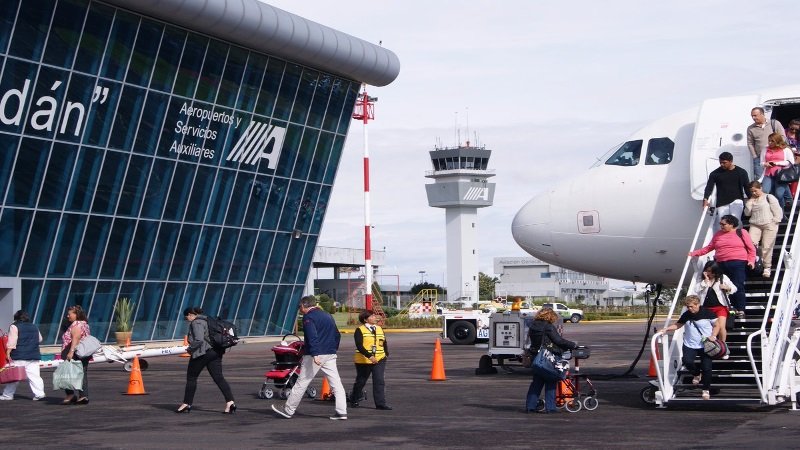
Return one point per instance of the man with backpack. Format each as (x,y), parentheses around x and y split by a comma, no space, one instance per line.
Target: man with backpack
(321,339)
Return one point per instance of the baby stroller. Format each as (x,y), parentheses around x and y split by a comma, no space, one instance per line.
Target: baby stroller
(286,369)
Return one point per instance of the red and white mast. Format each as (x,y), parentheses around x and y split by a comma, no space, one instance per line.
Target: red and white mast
(365,111)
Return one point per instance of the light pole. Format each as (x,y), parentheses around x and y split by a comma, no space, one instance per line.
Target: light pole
(421,276)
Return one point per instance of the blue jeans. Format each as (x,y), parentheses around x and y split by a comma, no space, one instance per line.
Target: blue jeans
(758,169)
(689,356)
(770,185)
(549,394)
(737,272)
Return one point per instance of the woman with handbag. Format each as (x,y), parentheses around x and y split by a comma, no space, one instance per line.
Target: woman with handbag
(543,333)
(734,253)
(703,324)
(765,214)
(77,329)
(22,350)
(713,290)
(777,156)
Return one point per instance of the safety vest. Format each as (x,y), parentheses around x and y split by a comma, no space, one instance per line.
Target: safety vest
(373,343)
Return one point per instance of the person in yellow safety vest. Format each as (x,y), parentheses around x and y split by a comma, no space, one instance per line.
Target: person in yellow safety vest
(370,358)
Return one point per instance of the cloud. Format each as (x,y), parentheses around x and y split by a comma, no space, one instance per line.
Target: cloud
(548,86)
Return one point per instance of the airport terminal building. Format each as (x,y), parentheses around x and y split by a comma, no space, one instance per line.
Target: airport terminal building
(174,152)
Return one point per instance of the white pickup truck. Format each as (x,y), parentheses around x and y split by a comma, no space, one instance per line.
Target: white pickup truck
(566,313)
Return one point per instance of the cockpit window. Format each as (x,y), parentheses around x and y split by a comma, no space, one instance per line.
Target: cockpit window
(627,155)
(659,151)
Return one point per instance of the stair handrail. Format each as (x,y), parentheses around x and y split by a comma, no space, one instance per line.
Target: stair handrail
(773,351)
(749,348)
(689,260)
(665,381)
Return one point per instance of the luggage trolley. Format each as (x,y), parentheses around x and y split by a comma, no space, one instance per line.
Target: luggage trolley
(575,392)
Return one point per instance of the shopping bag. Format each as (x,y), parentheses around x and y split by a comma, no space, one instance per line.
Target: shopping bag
(68,375)
(3,351)
(12,374)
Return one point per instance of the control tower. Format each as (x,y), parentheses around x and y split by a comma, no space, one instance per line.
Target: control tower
(460,187)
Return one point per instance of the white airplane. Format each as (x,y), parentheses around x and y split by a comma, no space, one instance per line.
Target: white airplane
(632,215)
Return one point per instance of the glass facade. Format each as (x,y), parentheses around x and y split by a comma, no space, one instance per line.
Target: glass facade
(143,160)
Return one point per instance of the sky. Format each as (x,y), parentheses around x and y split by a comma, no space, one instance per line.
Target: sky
(549,87)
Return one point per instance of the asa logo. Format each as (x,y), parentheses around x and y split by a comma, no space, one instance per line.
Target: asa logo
(477,193)
(255,141)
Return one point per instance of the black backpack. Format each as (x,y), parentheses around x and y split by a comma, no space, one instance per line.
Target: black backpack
(221,333)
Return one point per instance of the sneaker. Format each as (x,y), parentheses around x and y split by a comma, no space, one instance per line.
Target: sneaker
(696,380)
(6,397)
(281,412)
(706,395)
(766,273)
(338,416)
(36,399)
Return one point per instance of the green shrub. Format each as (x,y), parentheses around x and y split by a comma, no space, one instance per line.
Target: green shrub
(403,321)
(391,312)
(326,303)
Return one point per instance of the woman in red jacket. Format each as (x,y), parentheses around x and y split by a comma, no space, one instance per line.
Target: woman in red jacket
(734,253)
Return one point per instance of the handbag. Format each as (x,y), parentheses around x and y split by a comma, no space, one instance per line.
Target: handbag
(12,374)
(69,376)
(548,365)
(789,175)
(758,266)
(527,358)
(716,349)
(88,346)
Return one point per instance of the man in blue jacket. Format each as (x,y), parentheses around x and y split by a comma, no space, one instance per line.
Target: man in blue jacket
(321,344)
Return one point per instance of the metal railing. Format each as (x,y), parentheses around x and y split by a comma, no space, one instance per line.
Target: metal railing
(775,357)
(774,375)
(671,349)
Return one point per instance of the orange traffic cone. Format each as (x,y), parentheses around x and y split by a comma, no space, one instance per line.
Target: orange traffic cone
(437,371)
(185,344)
(325,393)
(135,385)
(651,372)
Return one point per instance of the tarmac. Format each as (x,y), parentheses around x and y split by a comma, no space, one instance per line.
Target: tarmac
(465,411)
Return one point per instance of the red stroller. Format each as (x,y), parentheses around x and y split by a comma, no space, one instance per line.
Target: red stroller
(288,356)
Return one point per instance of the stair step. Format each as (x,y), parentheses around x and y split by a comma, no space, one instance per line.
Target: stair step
(717,399)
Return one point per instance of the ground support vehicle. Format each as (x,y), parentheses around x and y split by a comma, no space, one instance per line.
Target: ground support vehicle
(465,327)
(508,341)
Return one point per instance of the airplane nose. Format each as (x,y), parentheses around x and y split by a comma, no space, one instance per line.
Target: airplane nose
(531,227)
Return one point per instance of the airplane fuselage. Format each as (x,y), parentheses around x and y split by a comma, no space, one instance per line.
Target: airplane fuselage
(633,214)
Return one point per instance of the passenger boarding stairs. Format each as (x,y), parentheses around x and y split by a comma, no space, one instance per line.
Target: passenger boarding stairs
(762,367)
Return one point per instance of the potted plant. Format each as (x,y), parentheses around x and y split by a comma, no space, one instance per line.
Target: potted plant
(123,316)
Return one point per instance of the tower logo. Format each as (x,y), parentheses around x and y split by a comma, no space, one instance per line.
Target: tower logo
(477,193)
(255,141)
